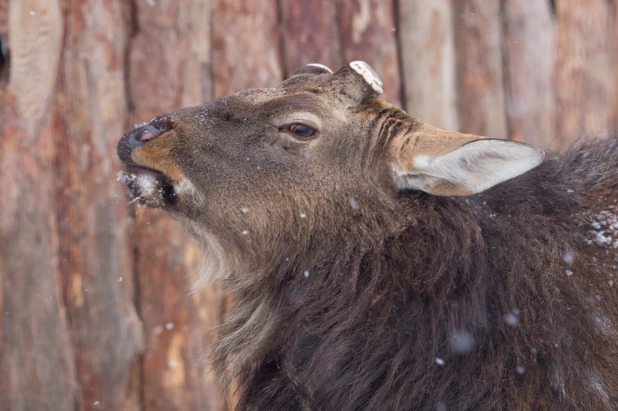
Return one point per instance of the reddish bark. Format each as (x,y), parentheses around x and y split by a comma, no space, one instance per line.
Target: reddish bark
(309,34)
(585,73)
(478,36)
(529,64)
(37,368)
(428,61)
(368,30)
(246,49)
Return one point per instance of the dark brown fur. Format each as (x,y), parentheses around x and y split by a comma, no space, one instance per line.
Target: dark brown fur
(351,295)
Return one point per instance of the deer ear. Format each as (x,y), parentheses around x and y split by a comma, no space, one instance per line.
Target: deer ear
(453,164)
(313,68)
(358,81)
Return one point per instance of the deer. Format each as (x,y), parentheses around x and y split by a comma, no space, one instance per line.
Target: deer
(381,263)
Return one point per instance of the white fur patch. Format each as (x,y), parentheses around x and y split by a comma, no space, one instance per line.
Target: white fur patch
(369,75)
(215,262)
(322,66)
(186,187)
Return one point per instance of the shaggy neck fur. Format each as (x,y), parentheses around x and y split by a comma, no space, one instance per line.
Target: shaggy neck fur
(495,301)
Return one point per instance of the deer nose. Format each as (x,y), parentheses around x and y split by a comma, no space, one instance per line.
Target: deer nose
(142,135)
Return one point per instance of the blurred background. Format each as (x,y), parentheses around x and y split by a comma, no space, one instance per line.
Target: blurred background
(94,302)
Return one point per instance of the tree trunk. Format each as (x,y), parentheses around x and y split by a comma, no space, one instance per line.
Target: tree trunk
(37,364)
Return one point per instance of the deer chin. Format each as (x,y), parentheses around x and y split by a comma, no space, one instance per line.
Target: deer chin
(148,187)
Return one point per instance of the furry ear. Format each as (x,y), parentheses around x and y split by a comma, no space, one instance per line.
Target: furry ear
(453,164)
(313,68)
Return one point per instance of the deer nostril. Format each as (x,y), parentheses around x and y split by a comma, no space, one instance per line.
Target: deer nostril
(143,134)
(148,135)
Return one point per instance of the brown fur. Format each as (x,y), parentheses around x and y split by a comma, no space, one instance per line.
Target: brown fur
(354,295)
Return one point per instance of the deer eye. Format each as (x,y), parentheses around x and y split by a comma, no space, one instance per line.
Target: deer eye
(301,131)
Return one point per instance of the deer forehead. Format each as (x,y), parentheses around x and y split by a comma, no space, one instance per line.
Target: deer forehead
(315,104)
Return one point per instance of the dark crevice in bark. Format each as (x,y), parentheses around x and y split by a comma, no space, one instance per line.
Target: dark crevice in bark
(62,154)
(211,51)
(506,75)
(552,8)
(398,41)
(5,61)
(281,39)
(337,21)
(132,32)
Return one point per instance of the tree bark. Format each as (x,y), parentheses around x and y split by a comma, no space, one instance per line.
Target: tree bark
(37,370)
(246,48)
(309,34)
(478,36)
(585,73)
(529,45)
(96,259)
(368,30)
(426,37)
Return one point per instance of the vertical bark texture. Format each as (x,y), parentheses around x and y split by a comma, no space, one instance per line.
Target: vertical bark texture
(309,34)
(37,370)
(246,47)
(95,308)
(426,35)
(95,253)
(614,61)
(478,36)
(585,74)
(529,36)
(368,32)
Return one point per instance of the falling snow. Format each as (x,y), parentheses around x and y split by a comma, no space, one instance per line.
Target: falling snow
(354,203)
(462,342)
(306,273)
(569,273)
(169,326)
(568,257)
(439,361)
(512,318)
(244,210)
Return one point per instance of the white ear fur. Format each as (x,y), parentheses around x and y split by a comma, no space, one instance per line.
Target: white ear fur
(471,168)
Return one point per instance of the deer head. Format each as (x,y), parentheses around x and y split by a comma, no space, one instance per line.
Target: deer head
(268,171)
